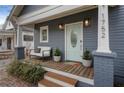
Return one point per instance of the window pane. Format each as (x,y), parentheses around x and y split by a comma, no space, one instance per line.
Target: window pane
(28,38)
(44,35)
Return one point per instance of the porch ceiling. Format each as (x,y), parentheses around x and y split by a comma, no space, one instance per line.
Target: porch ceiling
(53,13)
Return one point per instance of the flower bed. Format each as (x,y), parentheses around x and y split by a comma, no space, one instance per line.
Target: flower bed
(26,72)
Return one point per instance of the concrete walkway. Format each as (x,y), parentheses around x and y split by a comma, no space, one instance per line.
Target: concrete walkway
(4,63)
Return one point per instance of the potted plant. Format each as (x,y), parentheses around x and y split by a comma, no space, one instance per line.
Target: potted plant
(87,58)
(57,55)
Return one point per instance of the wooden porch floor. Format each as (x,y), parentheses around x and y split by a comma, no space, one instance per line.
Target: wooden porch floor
(74,68)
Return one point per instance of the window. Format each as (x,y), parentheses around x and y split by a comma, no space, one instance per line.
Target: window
(44,34)
(28,38)
(0,42)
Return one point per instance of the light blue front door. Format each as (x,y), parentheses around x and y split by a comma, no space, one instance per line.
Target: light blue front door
(74,41)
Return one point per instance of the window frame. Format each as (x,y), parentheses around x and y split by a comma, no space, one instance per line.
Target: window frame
(41,29)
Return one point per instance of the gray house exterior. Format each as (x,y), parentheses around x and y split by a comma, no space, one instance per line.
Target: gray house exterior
(114,67)
(90,35)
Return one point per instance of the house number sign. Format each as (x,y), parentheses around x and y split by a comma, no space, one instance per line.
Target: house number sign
(103,21)
(103,29)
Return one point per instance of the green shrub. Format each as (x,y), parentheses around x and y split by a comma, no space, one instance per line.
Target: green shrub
(26,72)
(57,52)
(87,55)
(13,68)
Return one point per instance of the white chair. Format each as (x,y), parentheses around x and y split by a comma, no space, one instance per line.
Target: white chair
(43,52)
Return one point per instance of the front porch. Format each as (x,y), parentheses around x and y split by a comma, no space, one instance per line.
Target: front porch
(72,40)
(74,70)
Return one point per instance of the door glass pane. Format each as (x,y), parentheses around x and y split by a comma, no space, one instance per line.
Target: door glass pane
(73,39)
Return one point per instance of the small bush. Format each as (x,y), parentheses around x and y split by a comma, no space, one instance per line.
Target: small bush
(26,72)
(87,55)
(57,52)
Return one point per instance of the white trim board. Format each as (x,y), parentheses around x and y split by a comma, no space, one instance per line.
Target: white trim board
(82,79)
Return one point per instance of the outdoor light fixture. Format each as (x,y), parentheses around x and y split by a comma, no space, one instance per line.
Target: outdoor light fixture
(61,26)
(87,22)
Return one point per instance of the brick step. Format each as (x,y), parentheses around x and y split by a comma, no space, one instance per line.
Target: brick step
(60,79)
(47,83)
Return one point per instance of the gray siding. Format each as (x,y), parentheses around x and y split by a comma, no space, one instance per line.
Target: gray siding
(90,33)
(57,38)
(31,8)
(117,39)
(103,69)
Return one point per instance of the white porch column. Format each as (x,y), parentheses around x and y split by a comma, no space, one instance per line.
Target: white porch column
(19,49)
(17,36)
(103,57)
(103,29)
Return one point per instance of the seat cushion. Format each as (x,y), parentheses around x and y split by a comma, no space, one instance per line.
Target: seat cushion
(37,50)
(36,54)
(44,48)
(46,53)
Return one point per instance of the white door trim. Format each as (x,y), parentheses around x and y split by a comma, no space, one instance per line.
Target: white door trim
(81,22)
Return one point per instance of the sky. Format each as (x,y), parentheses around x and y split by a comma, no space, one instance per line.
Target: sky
(4,12)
